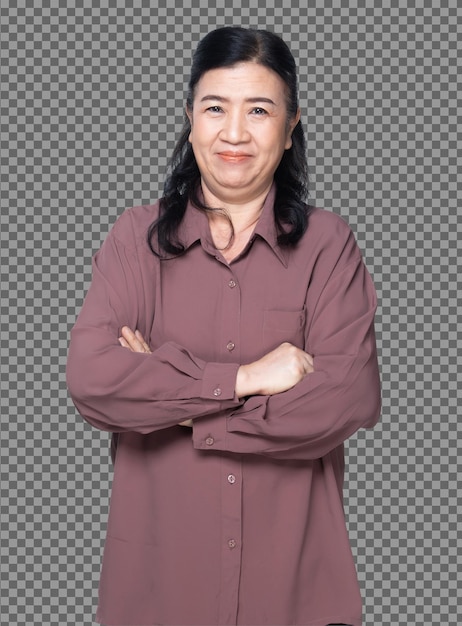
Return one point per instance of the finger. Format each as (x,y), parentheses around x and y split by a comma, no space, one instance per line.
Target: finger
(141,339)
(123,343)
(133,343)
(308,363)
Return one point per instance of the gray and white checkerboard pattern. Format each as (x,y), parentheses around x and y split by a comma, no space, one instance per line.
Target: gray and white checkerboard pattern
(91,103)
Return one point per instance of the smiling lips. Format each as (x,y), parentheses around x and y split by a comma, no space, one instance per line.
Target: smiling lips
(233,157)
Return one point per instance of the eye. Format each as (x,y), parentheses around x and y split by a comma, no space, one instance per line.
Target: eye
(259,111)
(215,109)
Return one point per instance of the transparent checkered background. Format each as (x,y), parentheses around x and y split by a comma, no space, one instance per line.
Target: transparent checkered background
(91,103)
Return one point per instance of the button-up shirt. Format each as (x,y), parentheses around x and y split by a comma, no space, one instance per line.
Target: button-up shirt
(238,520)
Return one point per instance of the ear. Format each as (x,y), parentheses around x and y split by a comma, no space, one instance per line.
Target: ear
(292,124)
(189,115)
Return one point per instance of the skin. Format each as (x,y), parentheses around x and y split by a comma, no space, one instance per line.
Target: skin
(240,129)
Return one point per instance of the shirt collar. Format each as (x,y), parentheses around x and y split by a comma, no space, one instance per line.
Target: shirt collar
(195,227)
(266,227)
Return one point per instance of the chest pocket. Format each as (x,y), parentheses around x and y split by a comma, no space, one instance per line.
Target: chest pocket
(280,326)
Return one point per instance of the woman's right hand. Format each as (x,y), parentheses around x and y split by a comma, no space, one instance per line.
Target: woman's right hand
(279,370)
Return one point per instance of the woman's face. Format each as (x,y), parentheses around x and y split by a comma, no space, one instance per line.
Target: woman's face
(239,130)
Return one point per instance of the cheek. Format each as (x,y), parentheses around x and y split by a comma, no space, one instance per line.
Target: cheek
(198,136)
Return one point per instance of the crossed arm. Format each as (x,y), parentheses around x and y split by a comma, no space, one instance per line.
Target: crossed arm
(270,406)
(275,372)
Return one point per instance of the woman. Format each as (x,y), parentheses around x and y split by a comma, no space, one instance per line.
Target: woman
(227,342)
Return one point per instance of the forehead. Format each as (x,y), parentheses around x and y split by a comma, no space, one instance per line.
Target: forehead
(243,79)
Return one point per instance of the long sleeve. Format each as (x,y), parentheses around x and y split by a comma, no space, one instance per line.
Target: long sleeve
(206,510)
(340,396)
(118,390)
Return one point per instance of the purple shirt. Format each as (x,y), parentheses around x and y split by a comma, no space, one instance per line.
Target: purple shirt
(238,520)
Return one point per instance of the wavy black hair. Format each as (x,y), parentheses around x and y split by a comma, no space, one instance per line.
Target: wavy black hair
(225,47)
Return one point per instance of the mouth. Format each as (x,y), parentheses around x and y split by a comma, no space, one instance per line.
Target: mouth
(233,157)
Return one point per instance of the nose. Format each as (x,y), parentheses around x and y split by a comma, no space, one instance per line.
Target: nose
(234,128)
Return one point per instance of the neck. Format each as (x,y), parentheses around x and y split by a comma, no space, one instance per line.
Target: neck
(232,227)
(243,214)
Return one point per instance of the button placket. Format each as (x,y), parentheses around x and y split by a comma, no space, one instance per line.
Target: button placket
(231,532)
(231,304)
(231,481)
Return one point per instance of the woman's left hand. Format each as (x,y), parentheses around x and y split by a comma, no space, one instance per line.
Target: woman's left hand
(135,342)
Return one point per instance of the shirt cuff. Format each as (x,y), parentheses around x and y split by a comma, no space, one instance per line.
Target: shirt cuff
(219,381)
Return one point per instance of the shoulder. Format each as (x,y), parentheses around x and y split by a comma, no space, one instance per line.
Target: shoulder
(328,224)
(329,236)
(131,228)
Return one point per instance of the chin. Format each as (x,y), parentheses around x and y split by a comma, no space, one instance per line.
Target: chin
(235,184)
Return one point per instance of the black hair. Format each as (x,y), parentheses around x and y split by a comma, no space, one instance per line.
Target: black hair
(226,47)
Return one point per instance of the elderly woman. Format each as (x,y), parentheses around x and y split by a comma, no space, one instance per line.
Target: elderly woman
(227,342)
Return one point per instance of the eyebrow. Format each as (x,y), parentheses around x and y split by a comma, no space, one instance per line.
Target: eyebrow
(252,100)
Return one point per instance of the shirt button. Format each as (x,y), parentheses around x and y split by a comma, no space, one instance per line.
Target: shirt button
(232,479)
(230,346)
(231,544)
(232,284)
(217,391)
(210,441)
